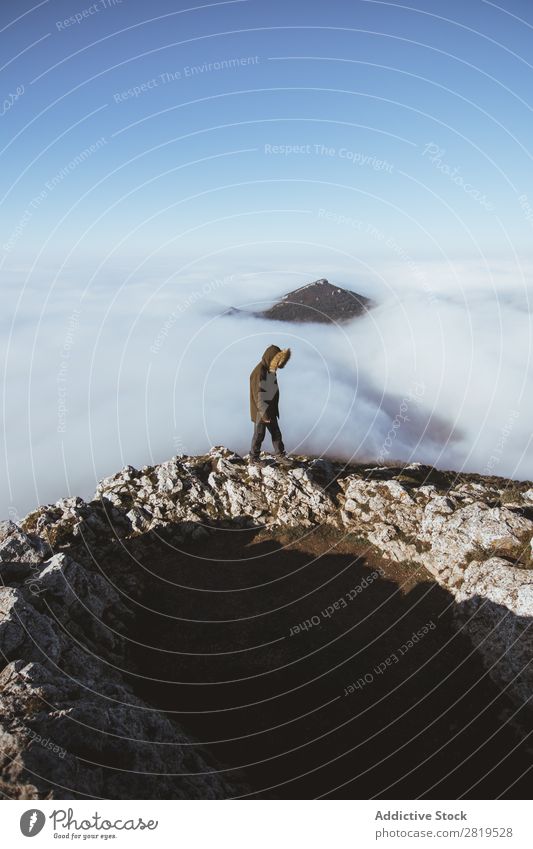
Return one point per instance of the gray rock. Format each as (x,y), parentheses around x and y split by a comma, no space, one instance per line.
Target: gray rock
(496,599)
(19,547)
(61,622)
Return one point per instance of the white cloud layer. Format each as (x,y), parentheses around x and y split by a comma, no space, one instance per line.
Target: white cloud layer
(439,372)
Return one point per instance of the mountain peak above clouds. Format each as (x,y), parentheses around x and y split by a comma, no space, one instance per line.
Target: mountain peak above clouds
(318,302)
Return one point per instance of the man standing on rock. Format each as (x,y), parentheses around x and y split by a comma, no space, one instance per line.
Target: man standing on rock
(264,401)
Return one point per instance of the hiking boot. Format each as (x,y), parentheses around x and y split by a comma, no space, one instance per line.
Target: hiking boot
(256,461)
(283,460)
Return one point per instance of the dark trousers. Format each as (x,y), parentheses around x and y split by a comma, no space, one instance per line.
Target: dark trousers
(259,435)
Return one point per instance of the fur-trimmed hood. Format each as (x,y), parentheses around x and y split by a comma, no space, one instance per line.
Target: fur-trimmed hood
(275,357)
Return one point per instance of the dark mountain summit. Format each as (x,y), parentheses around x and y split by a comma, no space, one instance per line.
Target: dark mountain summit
(318,302)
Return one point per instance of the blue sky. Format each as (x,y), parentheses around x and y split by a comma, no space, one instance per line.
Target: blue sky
(160,160)
(346,83)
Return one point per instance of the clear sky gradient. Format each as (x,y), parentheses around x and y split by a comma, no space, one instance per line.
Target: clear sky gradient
(359,89)
(161,159)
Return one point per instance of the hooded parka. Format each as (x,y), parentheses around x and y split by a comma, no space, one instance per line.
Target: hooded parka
(264,391)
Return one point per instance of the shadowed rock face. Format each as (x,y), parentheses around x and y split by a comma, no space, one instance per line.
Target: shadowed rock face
(115,615)
(71,725)
(318,302)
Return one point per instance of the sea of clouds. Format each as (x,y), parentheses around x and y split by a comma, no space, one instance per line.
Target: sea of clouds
(134,369)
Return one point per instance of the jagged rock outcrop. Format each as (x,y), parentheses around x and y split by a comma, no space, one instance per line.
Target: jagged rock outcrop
(456,525)
(71,727)
(62,621)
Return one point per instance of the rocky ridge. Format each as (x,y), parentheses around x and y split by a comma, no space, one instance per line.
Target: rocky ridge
(64,600)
